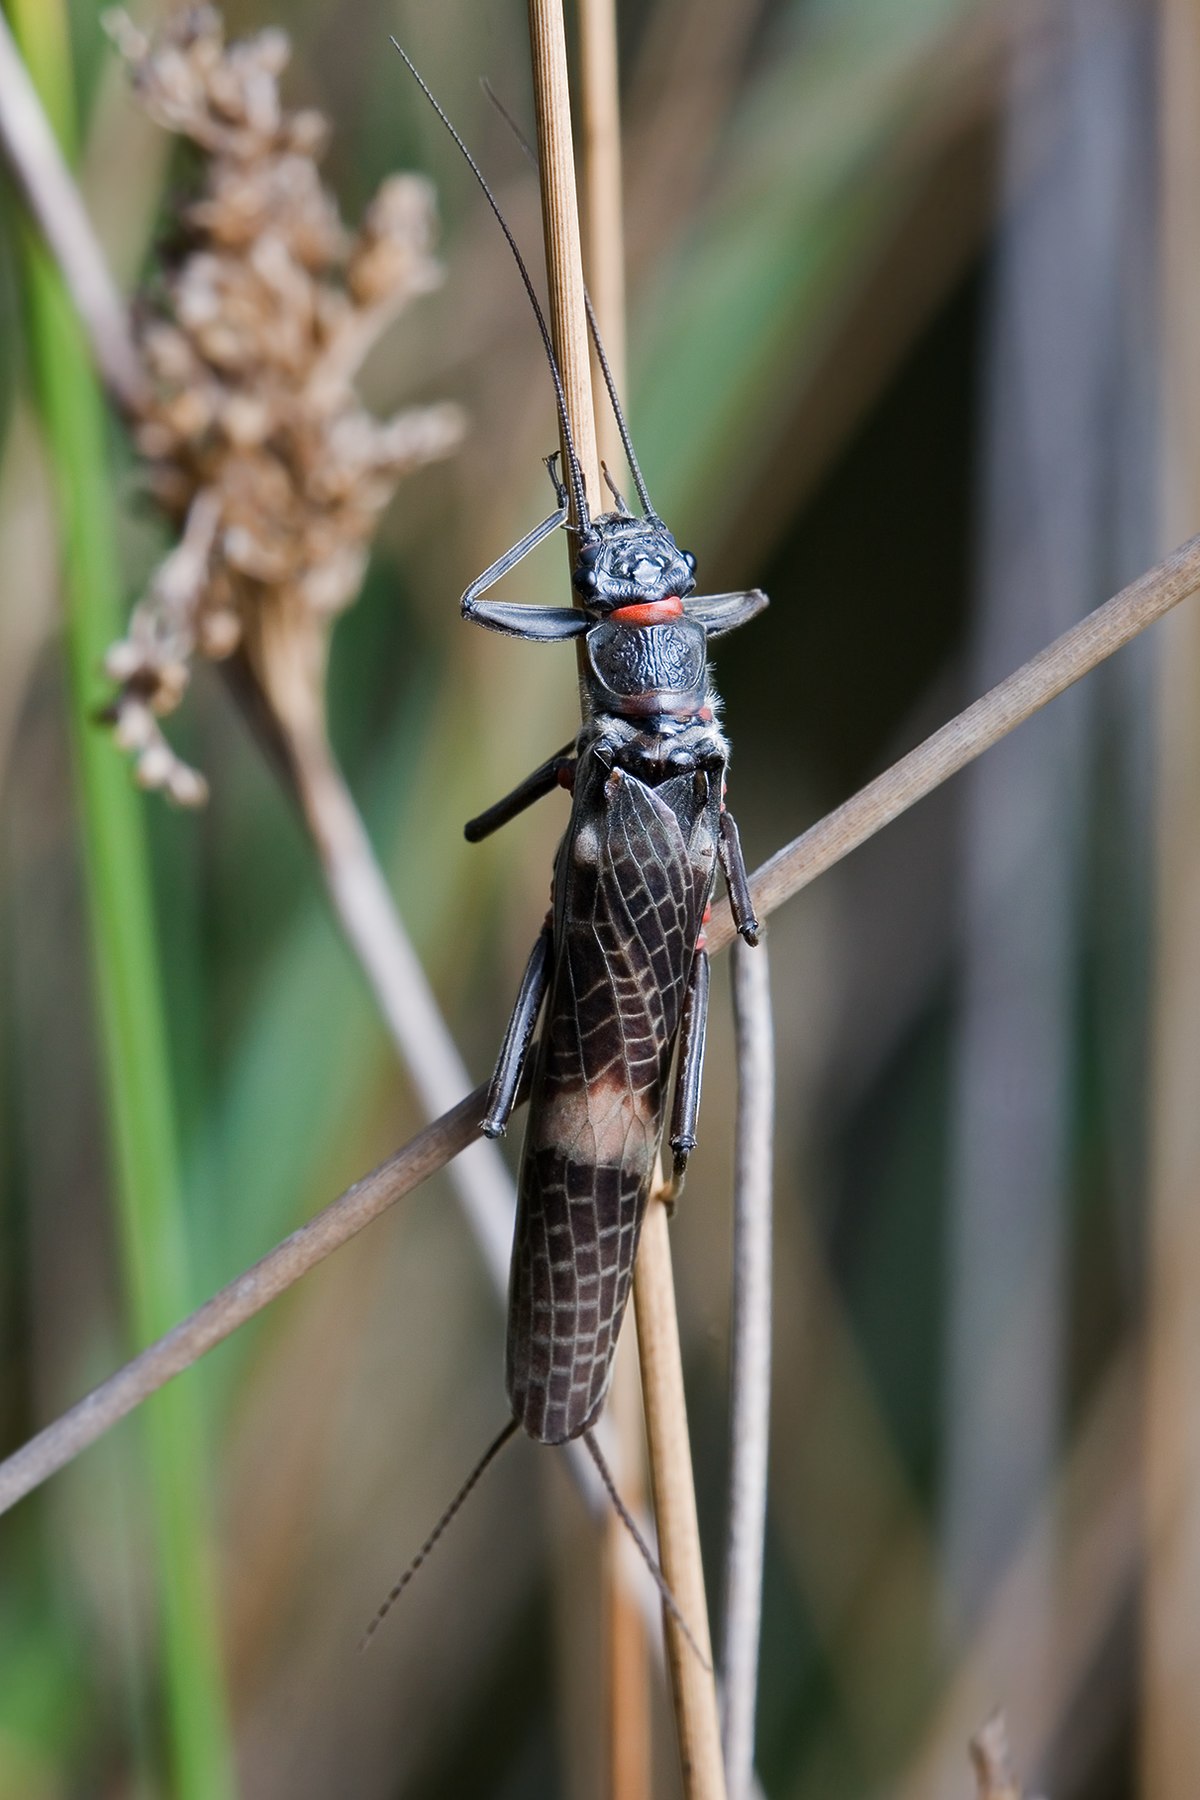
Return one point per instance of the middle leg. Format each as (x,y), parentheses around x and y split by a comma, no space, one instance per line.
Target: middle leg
(502,1094)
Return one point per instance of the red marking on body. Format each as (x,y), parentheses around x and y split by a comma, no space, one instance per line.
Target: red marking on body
(707,914)
(701,942)
(649,612)
(566,777)
(705,715)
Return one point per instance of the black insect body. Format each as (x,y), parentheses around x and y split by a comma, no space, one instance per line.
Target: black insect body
(620,965)
(621,957)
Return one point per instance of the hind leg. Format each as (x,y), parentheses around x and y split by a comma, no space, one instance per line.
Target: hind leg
(691,1067)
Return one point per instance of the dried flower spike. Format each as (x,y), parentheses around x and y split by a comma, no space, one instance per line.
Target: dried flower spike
(257,446)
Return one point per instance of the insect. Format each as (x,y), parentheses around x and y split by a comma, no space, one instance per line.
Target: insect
(619,969)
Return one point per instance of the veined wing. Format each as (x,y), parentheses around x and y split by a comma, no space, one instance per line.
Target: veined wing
(634,889)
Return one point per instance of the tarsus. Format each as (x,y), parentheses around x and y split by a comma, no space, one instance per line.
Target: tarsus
(489,1456)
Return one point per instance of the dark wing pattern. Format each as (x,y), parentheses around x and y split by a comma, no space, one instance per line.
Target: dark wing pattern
(633,895)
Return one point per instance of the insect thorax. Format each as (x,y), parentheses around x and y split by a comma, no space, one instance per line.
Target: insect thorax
(645,671)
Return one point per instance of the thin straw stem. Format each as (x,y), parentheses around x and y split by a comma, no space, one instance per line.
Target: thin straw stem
(696,1719)
(603,213)
(560,226)
(750,1371)
(973,731)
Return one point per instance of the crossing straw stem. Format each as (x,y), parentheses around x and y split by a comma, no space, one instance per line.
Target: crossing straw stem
(958,743)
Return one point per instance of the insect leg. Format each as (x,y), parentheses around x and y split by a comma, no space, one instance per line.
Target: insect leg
(511,558)
(538,624)
(551,774)
(729,849)
(691,1066)
(503,1092)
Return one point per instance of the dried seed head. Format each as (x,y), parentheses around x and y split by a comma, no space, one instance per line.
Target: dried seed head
(257,446)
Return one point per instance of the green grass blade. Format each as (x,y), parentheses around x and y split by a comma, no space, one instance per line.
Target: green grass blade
(129,1002)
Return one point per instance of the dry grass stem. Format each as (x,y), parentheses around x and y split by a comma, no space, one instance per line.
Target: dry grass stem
(1034,684)
(32,153)
(560,225)
(750,1373)
(696,1718)
(603,213)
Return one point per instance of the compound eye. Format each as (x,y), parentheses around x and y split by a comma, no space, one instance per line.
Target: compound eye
(587,581)
(690,560)
(589,551)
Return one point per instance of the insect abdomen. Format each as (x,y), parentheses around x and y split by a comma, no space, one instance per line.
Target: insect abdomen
(573,1256)
(633,880)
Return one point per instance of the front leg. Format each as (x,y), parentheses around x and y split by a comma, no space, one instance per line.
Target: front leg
(557,771)
(511,558)
(502,1094)
(536,624)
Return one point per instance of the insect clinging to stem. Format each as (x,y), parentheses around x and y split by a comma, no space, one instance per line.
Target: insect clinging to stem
(619,968)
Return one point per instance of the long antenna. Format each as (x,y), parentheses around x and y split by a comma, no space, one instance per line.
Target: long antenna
(593,326)
(647,1555)
(489,1456)
(575,473)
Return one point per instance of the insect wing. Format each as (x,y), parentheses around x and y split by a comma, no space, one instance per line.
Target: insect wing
(634,876)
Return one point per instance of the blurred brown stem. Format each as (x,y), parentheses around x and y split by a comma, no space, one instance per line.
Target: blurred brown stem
(37,165)
(1012,701)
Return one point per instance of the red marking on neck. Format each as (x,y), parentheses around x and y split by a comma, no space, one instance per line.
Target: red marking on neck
(649,612)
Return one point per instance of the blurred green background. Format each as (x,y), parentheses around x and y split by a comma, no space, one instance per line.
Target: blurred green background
(895,301)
